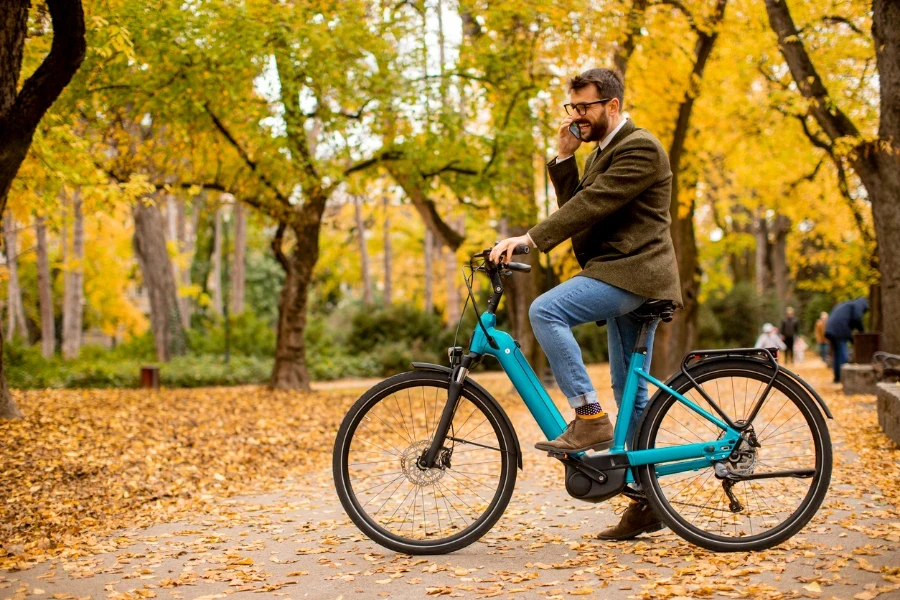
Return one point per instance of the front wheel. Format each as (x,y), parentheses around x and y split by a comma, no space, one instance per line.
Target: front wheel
(766,506)
(402,506)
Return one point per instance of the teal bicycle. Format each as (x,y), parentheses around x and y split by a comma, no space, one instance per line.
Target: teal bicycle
(733,451)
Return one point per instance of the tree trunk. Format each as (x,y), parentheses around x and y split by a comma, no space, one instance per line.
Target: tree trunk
(761,233)
(45,290)
(22,109)
(238,269)
(451,275)
(387,253)
(21,112)
(290,371)
(204,243)
(876,162)
(363,250)
(216,275)
(16,309)
(429,275)
(175,222)
(73,295)
(633,28)
(782,274)
(156,268)
(674,339)
(184,274)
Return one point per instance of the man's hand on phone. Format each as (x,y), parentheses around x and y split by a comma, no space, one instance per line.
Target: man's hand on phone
(507,247)
(567,143)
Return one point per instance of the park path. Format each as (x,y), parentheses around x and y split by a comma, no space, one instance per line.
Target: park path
(297,543)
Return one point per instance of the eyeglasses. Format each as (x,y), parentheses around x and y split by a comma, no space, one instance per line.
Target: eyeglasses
(582,107)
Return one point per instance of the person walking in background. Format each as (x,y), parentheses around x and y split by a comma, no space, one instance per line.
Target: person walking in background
(821,340)
(789,330)
(769,338)
(844,319)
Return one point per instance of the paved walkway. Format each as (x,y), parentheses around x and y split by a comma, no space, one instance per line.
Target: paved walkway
(298,543)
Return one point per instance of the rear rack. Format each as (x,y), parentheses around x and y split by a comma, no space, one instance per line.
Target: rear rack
(762,355)
(768,355)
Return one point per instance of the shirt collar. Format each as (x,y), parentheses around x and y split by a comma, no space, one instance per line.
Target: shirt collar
(605,141)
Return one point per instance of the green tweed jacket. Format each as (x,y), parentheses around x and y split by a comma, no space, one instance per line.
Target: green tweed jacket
(617,215)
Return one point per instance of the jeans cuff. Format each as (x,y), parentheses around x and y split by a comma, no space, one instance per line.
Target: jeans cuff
(584,399)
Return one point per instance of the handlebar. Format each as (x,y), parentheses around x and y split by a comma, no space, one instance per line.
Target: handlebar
(504,268)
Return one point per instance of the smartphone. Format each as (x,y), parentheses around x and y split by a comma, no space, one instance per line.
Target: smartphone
(575,130)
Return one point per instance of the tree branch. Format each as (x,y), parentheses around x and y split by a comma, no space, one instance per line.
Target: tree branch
(833,121)
(676,4)
(19,120)
(277,249)
(244,156)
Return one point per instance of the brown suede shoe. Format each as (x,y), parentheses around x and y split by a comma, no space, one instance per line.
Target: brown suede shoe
(582,435)
(638,518)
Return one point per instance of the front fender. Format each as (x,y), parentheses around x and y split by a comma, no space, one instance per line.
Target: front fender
(478,389)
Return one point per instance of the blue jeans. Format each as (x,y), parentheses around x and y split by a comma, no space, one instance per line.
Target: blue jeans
(823,351)
(839,350)
(585,300)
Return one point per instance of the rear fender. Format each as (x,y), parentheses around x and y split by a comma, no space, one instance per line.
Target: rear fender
(485,395)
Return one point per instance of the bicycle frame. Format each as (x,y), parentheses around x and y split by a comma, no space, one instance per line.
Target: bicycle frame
(675,459)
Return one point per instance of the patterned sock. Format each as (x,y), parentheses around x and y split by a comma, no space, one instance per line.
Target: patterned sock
(590,411)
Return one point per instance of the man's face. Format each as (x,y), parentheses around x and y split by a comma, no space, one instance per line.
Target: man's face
(595,124)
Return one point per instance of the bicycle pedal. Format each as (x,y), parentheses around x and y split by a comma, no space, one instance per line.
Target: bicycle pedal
(559,455)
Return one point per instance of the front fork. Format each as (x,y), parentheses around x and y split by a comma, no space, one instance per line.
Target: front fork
(457,380)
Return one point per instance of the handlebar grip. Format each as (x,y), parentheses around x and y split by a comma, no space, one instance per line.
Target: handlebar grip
(522,249)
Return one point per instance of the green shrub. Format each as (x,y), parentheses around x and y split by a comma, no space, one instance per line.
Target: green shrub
(249,336)
(734,319)
(373,328)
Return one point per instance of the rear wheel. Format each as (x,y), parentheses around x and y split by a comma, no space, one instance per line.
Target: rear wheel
(756,514)
(411,509)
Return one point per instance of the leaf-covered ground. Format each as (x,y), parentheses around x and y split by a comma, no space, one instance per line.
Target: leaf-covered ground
(209,493)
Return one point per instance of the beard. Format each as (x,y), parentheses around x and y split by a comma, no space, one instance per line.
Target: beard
(597,129)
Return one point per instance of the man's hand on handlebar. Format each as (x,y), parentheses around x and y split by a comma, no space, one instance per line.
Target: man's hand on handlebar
(504,250)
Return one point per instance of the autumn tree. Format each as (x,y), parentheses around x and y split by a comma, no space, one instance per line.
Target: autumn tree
(21,109)
(874,158)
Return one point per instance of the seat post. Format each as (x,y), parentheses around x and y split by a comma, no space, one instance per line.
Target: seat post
(640,344)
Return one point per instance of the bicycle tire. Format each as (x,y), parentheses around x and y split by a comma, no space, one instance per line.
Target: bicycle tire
(809,410)
(498,421)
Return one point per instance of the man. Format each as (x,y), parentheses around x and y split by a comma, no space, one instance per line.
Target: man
(789,329)
(845,318)
(617,216)
(821,340)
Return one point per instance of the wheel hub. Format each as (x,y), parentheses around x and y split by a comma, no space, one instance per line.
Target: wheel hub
(409,464)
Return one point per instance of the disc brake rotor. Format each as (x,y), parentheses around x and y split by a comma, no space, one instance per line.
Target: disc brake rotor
(409,465)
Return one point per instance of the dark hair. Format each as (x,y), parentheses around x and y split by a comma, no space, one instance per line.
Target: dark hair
(608,82)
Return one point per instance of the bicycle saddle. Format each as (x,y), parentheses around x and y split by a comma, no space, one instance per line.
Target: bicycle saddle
(653,309)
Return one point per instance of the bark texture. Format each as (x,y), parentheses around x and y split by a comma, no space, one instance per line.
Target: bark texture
(45,290)
(73,294)
(364,268)
(238,267)
(156,267)
(428,250)
(388,289)
(15,308)
(216,275)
